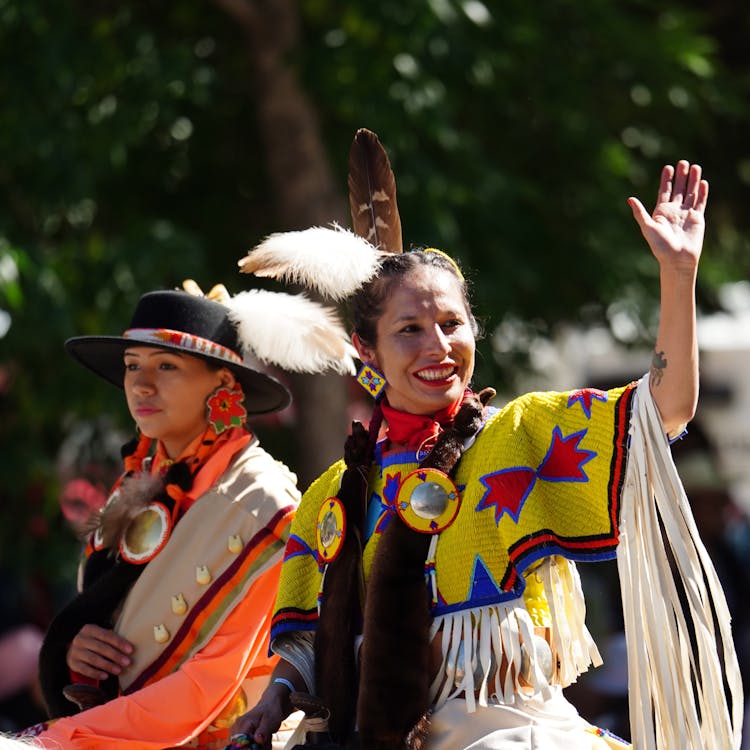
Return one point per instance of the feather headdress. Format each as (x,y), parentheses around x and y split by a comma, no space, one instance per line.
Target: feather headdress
(303,336)
(289,331)
(334,262)
(372,193)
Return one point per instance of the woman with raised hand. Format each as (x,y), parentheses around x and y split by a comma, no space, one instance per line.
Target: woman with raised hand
(167,642)
(429,596)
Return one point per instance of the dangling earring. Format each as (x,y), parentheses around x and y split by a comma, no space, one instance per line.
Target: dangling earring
(225,408)
(372,380)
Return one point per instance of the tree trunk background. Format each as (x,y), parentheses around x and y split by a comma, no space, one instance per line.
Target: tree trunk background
(306,194)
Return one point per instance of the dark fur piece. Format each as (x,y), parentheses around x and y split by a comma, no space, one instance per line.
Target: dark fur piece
(470,415)
(393,705)
(341,607)
(468,420)
(99,562)
(417,738)
(394,688)
(106,581)
(180,475)
(356,447)
(335,666)
(94,605)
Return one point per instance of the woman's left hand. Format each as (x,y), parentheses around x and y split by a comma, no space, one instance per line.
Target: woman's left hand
(674,231)
(98,652)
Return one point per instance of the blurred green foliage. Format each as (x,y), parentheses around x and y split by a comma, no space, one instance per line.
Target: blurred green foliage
(131,160)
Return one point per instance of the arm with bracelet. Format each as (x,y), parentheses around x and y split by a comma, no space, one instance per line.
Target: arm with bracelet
(260,723)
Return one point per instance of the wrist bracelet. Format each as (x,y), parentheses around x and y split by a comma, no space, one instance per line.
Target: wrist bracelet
(285,682)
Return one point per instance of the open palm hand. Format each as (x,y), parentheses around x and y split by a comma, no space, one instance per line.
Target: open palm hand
(674,231)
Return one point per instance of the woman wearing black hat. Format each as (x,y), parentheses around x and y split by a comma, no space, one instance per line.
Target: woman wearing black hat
(167,640)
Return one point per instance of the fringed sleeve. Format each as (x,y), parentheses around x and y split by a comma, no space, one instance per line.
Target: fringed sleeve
(677,625)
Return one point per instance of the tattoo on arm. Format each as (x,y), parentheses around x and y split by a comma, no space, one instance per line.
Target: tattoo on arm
(658,365)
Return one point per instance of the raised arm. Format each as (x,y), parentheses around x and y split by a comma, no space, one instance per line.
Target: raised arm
(674,233)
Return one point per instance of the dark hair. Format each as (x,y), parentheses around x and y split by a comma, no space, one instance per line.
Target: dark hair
(367,304)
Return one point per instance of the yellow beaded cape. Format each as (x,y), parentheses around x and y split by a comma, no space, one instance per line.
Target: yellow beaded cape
(552,478)
(542,478)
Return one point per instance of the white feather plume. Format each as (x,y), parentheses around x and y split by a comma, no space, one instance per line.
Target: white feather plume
(335,262)
(292,332)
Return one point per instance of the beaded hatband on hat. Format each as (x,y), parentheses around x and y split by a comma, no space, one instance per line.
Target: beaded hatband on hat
(193,344)
(288,331)
(187,323)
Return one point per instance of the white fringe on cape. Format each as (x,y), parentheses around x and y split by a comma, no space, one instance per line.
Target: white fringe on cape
(475,641)
(676,690)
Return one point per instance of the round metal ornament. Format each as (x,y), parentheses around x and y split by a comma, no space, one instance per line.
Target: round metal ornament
(330,529)
(146,534)
(427,501)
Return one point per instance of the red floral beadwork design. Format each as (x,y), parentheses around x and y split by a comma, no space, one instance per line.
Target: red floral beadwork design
(226,409)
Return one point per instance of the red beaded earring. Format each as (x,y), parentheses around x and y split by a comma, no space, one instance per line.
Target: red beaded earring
(226,408)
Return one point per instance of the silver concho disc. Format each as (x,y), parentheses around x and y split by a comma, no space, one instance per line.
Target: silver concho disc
(429,500)
(328,529)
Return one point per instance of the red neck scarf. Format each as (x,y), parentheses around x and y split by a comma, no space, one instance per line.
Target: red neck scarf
(416,430)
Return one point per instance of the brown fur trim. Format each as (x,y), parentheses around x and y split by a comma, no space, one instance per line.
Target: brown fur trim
(417,738)
(393,705)
(394,687)
(94,605)
(342,598)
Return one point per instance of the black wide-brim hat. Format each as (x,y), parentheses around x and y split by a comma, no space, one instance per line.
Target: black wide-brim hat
(188,323)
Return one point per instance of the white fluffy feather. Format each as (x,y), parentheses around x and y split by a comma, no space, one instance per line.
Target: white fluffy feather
(335,262)
(292,332)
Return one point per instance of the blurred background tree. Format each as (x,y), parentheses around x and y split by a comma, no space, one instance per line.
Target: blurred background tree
(147,142)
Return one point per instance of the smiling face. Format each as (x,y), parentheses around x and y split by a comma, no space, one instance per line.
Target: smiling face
(166,392)
(425,342)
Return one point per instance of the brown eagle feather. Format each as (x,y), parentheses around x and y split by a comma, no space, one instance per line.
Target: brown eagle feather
(372,193)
